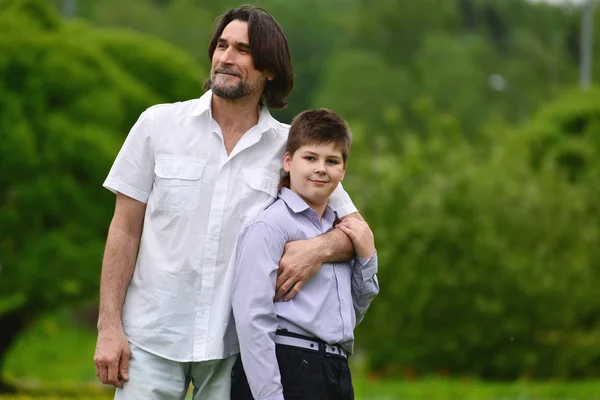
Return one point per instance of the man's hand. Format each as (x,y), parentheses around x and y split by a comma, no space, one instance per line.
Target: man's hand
(112,357)
(301,260)
(360,234)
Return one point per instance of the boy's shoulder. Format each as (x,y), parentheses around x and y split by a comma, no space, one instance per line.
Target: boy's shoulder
(276,215)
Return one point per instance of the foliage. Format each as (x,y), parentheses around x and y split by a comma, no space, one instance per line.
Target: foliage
(474,160)
(489,267)
(68,95)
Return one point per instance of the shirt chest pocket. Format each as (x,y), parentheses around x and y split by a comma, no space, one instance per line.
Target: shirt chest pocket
(259,190)
(177,184)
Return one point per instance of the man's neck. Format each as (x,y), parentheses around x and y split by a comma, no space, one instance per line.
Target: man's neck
(235,117)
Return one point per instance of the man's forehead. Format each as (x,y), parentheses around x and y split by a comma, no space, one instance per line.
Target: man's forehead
(236,31)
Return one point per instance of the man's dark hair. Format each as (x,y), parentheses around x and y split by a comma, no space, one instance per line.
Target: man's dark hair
(269,49)
(314,127)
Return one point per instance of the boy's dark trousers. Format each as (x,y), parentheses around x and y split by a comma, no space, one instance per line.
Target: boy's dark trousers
(306,374)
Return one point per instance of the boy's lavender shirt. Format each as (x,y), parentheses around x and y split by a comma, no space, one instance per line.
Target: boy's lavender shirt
(329,306)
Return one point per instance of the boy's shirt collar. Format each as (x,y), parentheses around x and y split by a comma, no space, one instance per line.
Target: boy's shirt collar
(298,205)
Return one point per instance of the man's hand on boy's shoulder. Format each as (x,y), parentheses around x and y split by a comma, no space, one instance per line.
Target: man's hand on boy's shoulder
(361,235)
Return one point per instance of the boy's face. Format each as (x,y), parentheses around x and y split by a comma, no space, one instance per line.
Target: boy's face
(315,171)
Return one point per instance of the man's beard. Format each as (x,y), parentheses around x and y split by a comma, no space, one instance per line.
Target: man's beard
(231,92)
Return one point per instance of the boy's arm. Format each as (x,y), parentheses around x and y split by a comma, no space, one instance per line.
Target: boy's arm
(365,285)
(303,258)
(259,249)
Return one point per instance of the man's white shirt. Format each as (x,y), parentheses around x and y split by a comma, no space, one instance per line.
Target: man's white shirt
(178,304)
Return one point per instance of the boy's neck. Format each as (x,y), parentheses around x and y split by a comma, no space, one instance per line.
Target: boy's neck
(319,209)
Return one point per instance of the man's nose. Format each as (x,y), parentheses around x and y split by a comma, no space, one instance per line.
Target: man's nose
(227,57)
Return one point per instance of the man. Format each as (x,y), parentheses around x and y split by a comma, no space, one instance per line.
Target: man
(187,178)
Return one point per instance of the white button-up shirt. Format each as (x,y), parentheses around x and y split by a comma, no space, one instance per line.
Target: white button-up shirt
(178,304)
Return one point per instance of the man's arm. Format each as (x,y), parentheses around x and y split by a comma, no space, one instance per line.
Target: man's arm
(112,349)
(303,258)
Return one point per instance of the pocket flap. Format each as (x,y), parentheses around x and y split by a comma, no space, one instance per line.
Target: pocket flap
(179,169)
(262,179)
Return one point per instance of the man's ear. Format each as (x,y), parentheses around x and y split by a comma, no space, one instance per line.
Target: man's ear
(287,161)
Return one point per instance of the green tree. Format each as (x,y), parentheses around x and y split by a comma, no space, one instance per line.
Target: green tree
(488,266)
(68,96)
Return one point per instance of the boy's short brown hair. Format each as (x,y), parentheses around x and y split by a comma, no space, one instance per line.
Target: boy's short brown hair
(317,126)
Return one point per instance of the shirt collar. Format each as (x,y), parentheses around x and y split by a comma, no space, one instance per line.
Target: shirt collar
(297,205)
(202,104)
(266,122)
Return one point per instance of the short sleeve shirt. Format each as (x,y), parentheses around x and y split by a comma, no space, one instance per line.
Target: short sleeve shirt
(178,304)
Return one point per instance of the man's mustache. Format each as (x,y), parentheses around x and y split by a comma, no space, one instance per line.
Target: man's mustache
(226,71)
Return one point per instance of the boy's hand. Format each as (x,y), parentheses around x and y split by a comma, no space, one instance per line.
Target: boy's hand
(360,234)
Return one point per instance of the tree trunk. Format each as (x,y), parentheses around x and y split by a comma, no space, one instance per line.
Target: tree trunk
(11,324)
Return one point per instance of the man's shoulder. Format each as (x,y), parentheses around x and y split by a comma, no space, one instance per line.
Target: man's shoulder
(179,107)
(281,128)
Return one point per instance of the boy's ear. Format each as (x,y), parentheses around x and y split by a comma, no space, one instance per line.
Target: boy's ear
(287,161)
(343,172)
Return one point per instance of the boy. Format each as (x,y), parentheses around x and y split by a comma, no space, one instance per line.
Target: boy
(299,349)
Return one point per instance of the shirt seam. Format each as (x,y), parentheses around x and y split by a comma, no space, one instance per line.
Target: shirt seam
(275,228)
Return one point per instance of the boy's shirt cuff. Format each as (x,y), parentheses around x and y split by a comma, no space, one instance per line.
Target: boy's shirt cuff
(366,267)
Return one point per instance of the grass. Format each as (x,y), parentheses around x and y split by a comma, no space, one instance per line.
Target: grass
(53,350)
(53,360)
(437,389)
(433,389)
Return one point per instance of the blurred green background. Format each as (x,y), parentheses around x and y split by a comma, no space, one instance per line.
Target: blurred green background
(476,129)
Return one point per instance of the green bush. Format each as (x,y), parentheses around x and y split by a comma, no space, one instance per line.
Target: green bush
(68,96)
(489,267)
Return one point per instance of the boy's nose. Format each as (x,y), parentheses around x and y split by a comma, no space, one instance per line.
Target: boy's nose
(320,168)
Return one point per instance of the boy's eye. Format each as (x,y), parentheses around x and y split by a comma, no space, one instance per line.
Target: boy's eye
(309,158)
(333,162)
